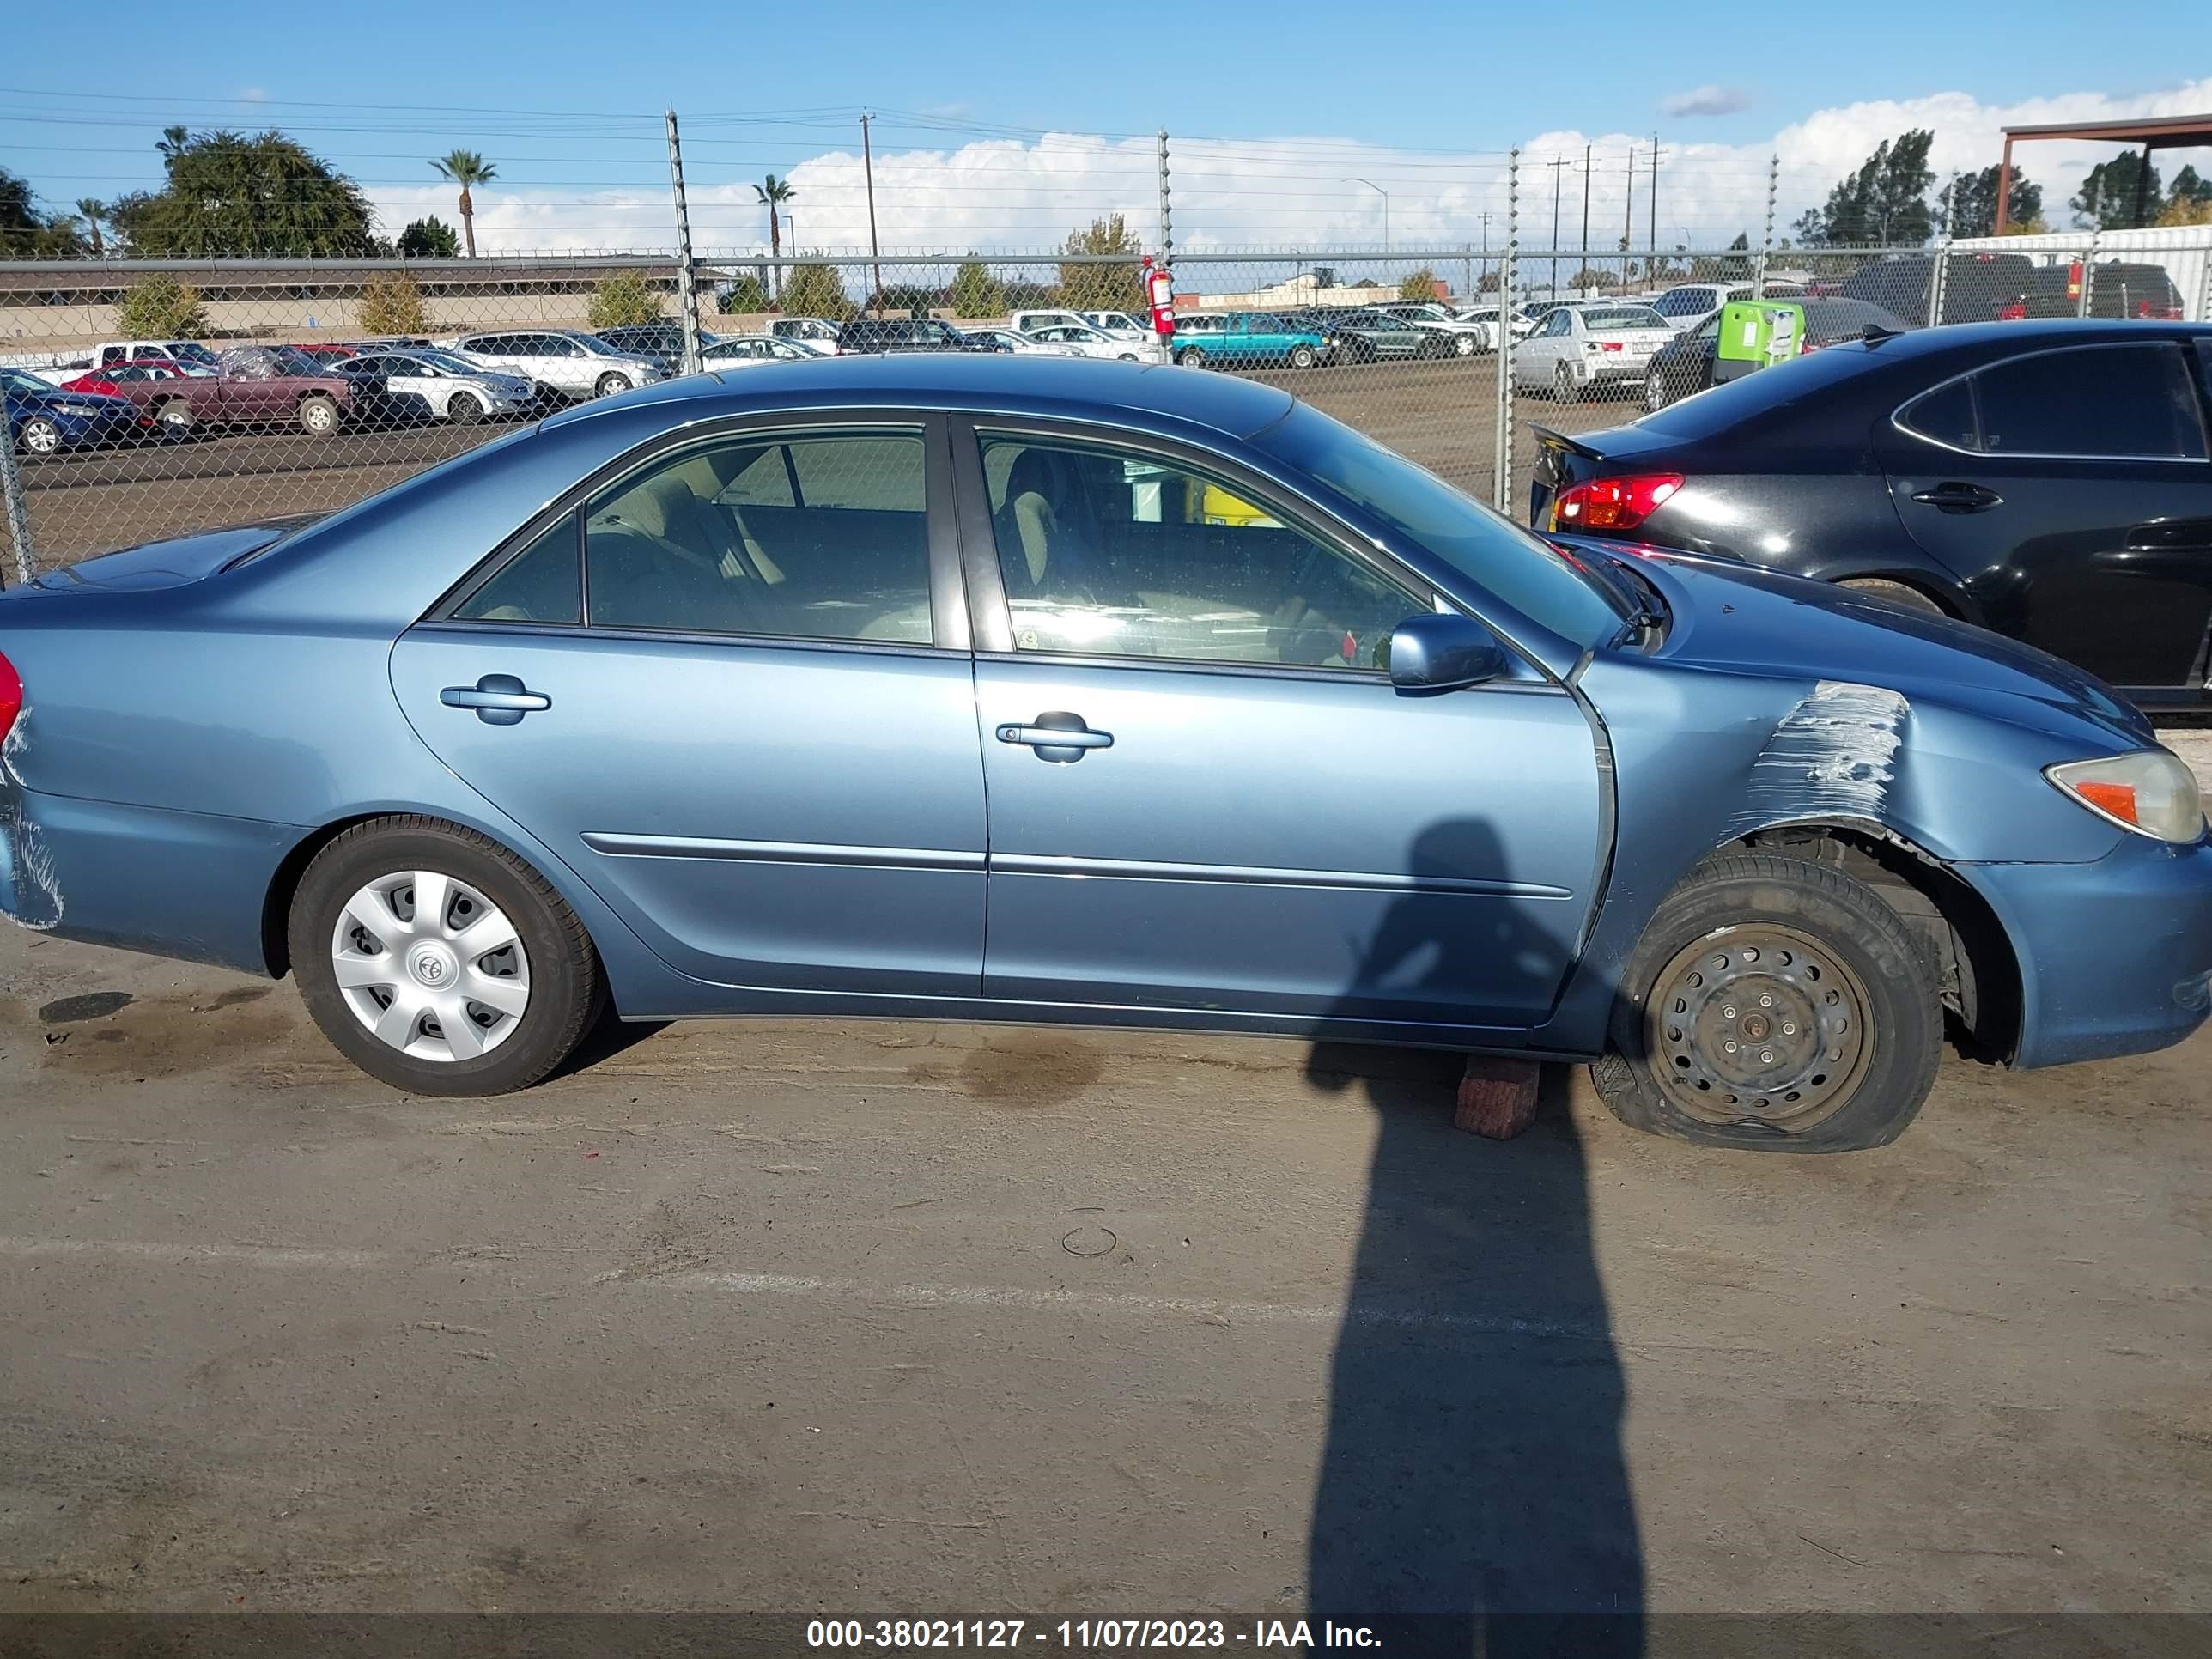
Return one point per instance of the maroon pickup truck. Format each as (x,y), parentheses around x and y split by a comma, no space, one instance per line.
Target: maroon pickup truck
(257,386)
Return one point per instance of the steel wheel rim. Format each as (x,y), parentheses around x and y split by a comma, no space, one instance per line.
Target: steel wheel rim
(430,966)
(320,417)
(1759,1026)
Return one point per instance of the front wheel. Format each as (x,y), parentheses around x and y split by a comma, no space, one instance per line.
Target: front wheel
(610,383)
(1774,1005)
(465,409)
(1302,356)
(319,415)
(1465,344)
(175,418)
(1191,357)
(438,962)
(39,436)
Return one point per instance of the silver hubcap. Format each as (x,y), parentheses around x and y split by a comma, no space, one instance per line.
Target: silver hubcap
(1759,1024)
(430,966)
(41,439)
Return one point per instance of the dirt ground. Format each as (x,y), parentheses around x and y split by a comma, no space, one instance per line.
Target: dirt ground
(907,1319)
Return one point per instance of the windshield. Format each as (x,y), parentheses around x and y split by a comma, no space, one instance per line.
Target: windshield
(30,385)
(1528,572)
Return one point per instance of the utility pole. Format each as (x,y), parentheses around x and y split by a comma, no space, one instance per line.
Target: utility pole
(1628,220)
(1167,215)
(687,292)
(1655,198)
(875,252)
(1586,193)
(1485,230)
(1555,164)
(1766,236)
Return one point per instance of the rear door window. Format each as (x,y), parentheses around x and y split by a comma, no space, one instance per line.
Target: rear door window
(2097,402)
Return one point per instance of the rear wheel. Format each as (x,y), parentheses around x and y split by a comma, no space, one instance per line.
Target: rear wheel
(1464,344)
(318,415)
(1565,387)
(175,418)
(1191,357)
(610,383)
(1302,356)
(40,436)
(1774,1005)
(438,962)
(465,409)
(1902,594)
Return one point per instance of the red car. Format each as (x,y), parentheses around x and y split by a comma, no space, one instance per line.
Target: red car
(133,380)
(325,349)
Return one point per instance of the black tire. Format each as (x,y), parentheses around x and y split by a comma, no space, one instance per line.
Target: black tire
(465,409)
(1565,387)
(1191,357)
(567,987)
(1903,594)
(175,417)
(1874,1013)
(610,383)
(40,436)
(319,415)
(1127,357)
(1302,356)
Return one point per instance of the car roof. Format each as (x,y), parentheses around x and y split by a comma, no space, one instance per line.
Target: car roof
(1077,388)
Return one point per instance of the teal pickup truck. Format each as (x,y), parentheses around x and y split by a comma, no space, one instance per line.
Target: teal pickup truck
(1248,339)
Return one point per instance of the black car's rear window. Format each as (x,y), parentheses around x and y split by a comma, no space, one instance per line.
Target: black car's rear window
(1759,395)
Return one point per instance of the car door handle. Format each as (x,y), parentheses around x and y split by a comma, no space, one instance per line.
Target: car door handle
(1057,735)
(1959,498)
(498,699)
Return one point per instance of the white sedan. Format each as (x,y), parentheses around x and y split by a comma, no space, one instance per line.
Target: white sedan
(1088,342)
(424,379)
(1578,347)
(1024,345)
(750,350)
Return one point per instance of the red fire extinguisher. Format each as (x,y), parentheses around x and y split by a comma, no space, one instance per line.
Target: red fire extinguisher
(1159,294)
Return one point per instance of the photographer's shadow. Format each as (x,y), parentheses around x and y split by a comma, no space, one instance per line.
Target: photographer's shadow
(1472,1474)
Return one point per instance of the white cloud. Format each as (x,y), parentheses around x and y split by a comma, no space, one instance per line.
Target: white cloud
(254,95)
(1003,194)
(1708,99)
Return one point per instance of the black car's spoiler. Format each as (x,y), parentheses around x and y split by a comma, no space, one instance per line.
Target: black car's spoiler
(1545,435)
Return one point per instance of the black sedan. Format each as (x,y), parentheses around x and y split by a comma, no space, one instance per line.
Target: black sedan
(1684,364)
(2047,480)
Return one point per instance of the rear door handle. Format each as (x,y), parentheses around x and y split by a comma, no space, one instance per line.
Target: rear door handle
(498,699)
(1058,735)
(1959,498)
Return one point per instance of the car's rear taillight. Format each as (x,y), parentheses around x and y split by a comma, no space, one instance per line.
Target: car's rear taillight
(11,696)
(1614,503)
(1607,345)
(2012,311)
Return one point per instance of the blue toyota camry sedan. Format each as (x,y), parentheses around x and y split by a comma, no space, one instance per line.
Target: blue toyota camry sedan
(1085,694)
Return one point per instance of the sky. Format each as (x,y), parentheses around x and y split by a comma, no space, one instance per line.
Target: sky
(1292,124)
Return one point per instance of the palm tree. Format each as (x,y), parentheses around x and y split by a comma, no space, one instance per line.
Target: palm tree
(465,167)
(94,212)
(172,144)
(772,192)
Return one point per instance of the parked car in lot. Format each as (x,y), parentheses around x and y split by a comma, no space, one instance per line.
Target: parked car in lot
(1747,837)
(264,386)
(44,419)
(1688,304)
(1578,347)
(662,342)
(1684,363)
(906,334)
(1520,324)
(426,382)
(1976,285)
(807,330)
(743,350)
(2046,480)
(1088,342)
(136,381)
(564,361)
(1025,345)
(1465,337)
(1364,335)
(1119,324)
(1249,339)
(2115,289)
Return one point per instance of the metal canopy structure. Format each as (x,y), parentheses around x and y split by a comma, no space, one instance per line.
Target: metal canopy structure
(2166,132)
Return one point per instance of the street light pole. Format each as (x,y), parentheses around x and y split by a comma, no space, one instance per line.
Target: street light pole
(1385,195)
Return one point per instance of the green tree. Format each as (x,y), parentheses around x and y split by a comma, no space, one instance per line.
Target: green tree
(1420,285)
(161,308)
(91,212)
(772,192)
(428,238)
(1116,286)
(975,292)
(622,300)
(1967,203)
(813,290)
(28,233)
(468,169)
(232,197)
(745,295)
(2107,197)
(1883,203)
(172,143)
(392,303)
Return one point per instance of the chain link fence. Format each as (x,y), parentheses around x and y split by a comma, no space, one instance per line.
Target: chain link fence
(149,399)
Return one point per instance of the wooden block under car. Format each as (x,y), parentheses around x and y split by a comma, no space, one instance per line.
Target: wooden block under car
(1496,1097)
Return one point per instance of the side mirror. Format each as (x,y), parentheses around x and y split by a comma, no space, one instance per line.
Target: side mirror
(1440,651)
